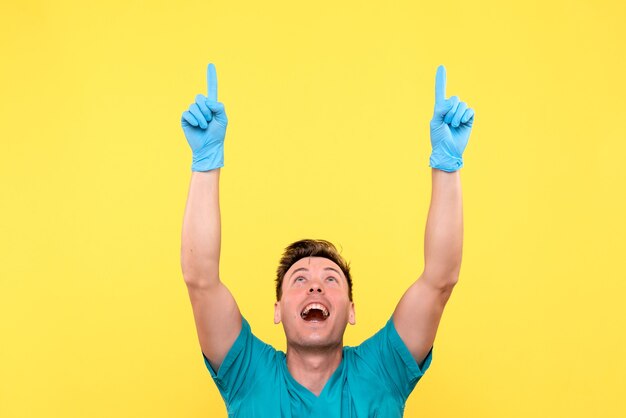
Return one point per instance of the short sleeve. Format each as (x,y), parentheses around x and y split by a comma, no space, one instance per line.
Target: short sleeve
(387,355)
(242,365)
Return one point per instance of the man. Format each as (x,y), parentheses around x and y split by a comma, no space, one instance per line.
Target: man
(318,376)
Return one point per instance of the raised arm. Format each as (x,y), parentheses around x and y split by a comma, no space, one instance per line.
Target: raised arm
(217,317)
(419,311)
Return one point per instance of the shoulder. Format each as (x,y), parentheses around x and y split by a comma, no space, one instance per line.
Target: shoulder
(249,375)
(385,356)
(248,353)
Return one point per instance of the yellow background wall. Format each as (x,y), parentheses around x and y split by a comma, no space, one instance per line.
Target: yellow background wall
(328,137)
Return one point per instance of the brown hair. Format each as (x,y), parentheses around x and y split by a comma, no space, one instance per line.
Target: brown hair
(310,248)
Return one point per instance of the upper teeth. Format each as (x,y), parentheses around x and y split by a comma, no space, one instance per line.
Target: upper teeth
(315,306)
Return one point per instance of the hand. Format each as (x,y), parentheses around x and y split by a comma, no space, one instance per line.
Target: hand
(204,125)
(450,127)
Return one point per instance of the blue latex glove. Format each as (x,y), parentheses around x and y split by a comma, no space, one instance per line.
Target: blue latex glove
(450,127)
(204,125)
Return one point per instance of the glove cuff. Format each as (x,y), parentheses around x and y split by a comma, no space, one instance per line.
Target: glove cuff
(209,161)
(445,162)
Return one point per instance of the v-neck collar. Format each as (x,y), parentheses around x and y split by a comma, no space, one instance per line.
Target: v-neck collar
(304,391)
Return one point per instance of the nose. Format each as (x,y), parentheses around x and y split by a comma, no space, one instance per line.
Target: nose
(315,287)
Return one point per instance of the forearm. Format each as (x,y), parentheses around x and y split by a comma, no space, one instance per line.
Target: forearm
(443,241)
(201,235)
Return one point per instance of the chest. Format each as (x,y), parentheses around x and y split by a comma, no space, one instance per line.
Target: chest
(348,397)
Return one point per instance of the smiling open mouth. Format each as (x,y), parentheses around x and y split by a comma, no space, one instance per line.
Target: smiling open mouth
(315,312)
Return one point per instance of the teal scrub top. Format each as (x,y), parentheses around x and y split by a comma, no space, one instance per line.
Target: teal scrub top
(374,379)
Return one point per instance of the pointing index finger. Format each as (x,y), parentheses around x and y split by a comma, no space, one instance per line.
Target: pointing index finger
(440,84)
(211,78)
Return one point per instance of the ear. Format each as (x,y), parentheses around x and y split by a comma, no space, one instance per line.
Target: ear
(277,313)
(351,314)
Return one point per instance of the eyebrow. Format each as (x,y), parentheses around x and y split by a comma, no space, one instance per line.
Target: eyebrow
(306,269)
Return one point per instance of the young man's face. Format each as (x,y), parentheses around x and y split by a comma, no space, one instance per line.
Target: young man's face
(314,308)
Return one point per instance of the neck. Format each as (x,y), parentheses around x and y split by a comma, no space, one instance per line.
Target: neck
(312,367)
